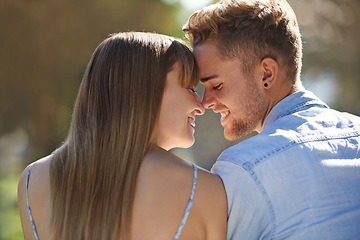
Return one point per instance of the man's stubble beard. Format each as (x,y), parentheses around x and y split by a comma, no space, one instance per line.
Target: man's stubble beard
(252,115)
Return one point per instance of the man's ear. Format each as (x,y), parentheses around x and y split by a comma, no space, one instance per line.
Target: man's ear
(270,69)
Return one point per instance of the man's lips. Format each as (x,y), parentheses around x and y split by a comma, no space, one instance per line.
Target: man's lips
(224,114)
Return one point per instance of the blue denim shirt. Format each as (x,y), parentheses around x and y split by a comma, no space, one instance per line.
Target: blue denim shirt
(299,178)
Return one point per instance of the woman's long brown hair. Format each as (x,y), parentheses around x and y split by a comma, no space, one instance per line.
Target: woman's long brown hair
(93,174)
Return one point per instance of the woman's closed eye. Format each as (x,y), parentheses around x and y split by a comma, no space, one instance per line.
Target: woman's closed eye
(217,87)
(192,89)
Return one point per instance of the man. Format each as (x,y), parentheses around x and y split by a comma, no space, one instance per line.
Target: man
(299,178)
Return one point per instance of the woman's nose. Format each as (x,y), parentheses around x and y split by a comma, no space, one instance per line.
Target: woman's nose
(200,110)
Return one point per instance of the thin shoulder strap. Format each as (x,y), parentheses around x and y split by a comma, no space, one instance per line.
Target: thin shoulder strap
(27,203)
(188,207)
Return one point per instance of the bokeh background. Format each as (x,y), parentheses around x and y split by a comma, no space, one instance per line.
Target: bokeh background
(45,46)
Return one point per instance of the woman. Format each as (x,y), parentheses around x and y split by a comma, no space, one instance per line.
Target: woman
(114,178)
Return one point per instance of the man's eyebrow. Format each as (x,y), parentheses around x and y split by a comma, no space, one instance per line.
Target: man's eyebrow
(205,79)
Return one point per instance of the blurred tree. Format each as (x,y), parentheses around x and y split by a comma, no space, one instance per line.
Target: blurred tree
(45,46)
(331,34)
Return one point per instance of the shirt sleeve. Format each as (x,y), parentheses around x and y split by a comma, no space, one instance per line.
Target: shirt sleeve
(249,214)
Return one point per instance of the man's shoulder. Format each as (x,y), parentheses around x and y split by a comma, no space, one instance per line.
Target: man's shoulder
(254,150)
(288,131)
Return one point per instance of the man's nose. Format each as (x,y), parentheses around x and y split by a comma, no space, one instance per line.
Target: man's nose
(208,100)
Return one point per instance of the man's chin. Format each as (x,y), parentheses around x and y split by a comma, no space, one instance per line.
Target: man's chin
(230,135)
(235,134)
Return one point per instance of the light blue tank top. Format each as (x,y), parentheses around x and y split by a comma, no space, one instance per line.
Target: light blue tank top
(189,205)
(28,206)
(177,235)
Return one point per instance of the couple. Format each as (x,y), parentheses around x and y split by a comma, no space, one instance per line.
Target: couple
(114,178)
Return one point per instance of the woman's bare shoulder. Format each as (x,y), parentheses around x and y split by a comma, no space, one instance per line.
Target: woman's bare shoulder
(210,205)
(39,173)
(38,190)
(211,185)
(164,170)
(169,170)
(163,190)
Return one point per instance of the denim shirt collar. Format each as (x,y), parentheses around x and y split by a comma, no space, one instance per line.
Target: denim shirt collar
(291,104)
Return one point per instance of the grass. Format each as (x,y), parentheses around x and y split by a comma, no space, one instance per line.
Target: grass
(10,225)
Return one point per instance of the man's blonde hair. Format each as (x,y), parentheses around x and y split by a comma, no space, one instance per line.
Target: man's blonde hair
(250,30)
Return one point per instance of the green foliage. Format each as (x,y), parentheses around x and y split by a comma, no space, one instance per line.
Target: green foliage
(10,226)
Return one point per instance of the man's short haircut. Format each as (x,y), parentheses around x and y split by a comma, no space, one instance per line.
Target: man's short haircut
(250,30)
